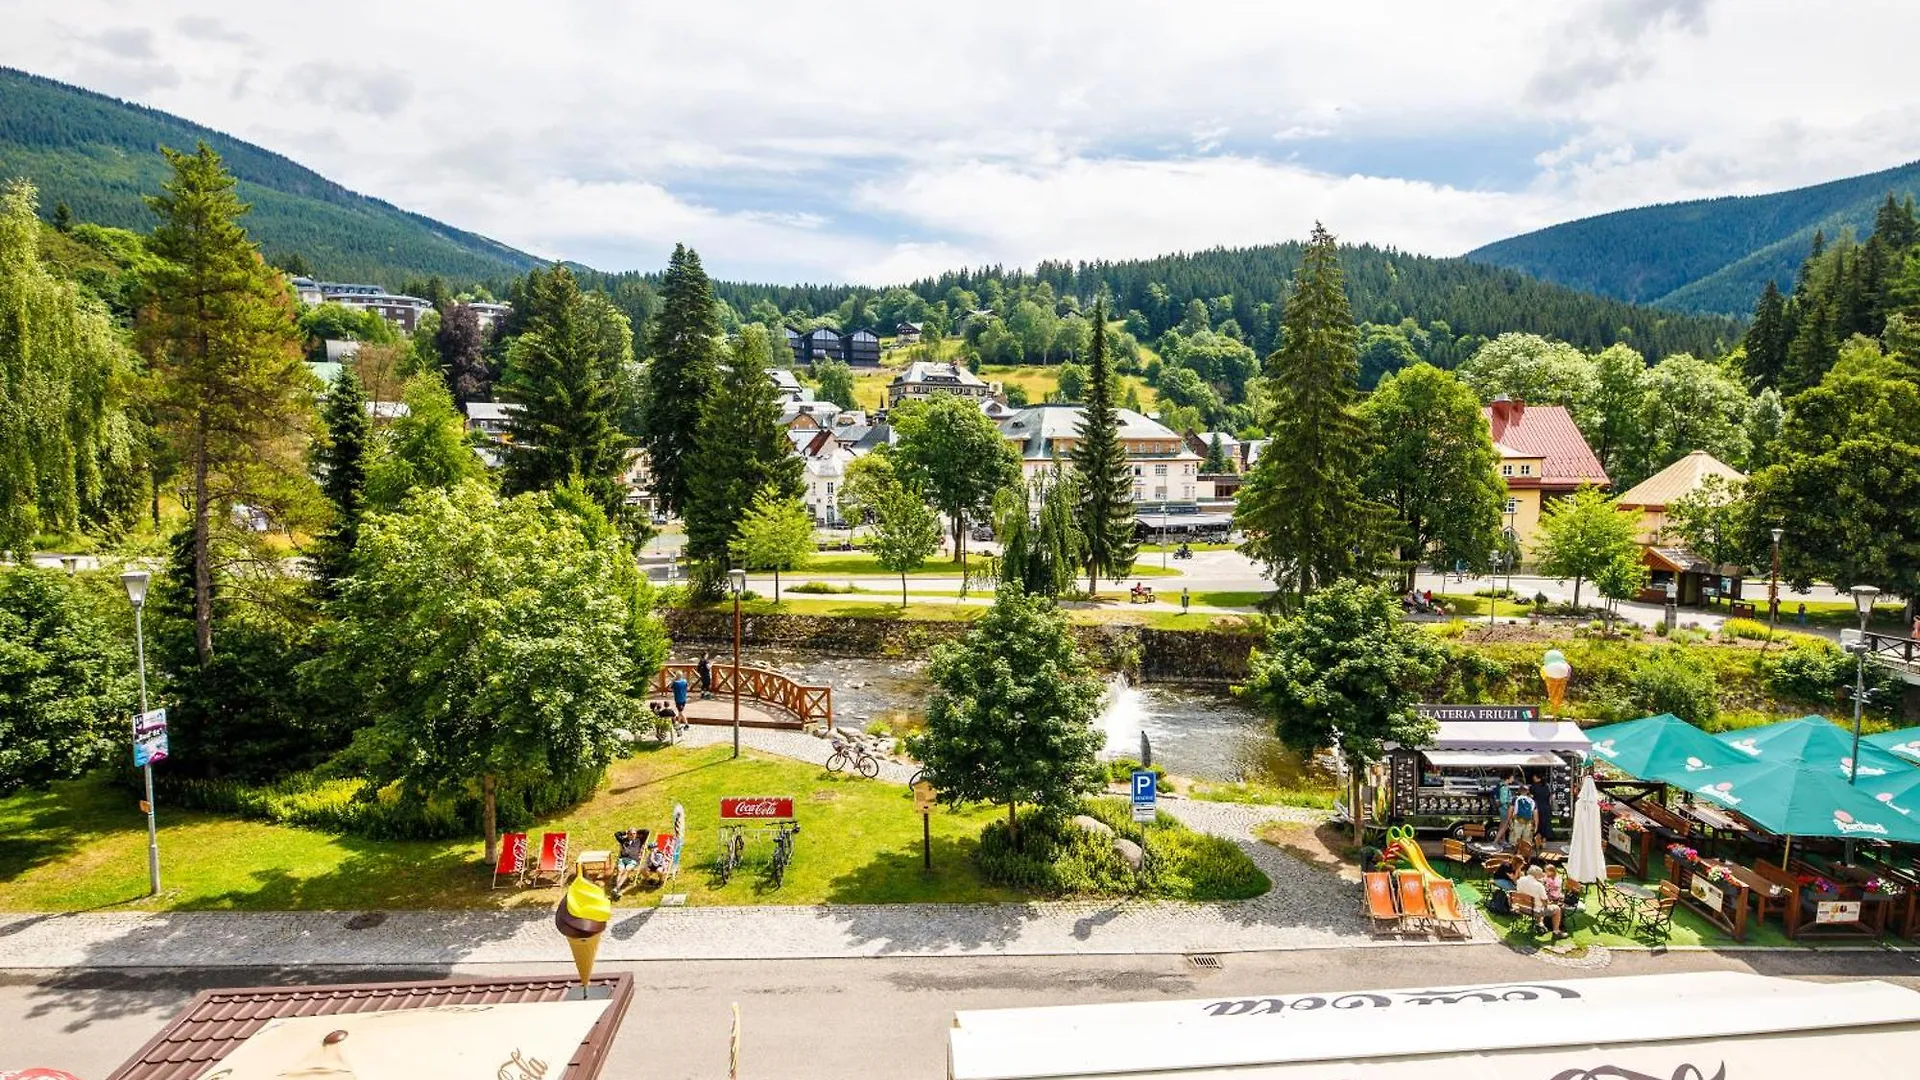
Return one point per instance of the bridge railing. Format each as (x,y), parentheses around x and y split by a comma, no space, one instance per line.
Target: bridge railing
(805,703)
(1900,650)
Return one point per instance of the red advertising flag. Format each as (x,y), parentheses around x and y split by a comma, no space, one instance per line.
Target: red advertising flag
(756,808)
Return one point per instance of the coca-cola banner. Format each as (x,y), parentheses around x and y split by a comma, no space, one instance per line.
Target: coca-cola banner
(756,808)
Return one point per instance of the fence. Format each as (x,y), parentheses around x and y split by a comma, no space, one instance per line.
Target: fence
(806,704)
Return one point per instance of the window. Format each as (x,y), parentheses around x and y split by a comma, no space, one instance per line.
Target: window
(1506,470)
(1159,470)
(1137,470)
(1513,505)
(1160,494)
(1526,470)
(1139,492)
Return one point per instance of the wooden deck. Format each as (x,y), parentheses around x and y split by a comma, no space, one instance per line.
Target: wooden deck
(768,699)
(719,713)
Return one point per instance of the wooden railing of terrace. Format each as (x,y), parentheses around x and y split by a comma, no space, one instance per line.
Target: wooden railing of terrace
(806,704)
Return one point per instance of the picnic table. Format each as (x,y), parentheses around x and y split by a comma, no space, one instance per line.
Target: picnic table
(1846,910)
(595,861)
(1717,824)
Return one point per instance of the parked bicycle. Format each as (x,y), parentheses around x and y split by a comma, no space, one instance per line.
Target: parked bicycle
(852,755)
(733,845)
(783,851)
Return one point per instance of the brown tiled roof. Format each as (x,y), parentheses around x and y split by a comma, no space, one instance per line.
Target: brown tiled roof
(1548,433)
(217,1021)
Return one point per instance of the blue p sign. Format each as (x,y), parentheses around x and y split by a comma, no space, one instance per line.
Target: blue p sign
(1145,789)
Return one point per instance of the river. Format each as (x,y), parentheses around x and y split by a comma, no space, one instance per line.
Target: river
(1194,731)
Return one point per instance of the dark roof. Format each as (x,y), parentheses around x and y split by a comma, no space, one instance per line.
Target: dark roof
(215,1022)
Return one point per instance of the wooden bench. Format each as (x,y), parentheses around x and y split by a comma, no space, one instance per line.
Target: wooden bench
(1740,609)
(1666,819)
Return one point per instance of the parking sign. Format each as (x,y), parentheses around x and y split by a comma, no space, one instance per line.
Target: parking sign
(1146,795)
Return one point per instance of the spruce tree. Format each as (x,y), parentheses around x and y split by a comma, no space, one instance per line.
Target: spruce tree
(563,372)
(684,354)
(1216,462)
(1767,339)
(1105,480)
(1302,509)
(739,452)
(224,347)
(341,462)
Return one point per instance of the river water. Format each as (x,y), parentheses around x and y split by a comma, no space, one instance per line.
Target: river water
(1194,732)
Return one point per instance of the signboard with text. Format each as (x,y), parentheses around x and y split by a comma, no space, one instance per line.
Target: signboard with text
(1145,787)
(1618,839)
(1515,713)
(1836,911)
(149,738)
(1708,893)
(756,808)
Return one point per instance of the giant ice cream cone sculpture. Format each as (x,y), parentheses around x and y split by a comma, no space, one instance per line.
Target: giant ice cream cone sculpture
(1555,671)
(581,917)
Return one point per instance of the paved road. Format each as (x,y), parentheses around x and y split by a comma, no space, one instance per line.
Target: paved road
(884,1019)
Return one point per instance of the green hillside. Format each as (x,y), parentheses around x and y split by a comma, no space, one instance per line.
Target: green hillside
(99,155)
(1709,255)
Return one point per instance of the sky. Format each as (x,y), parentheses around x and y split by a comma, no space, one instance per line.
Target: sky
(848,140)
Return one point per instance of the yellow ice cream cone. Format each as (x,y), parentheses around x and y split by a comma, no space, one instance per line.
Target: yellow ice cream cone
(584,950)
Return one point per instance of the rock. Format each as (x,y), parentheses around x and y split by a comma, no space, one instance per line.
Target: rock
(1093,825)
(1129,851)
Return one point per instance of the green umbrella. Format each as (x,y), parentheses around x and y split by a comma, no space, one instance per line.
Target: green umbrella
(1785,799)
(1818,745)
(1905,743)
(1660,744)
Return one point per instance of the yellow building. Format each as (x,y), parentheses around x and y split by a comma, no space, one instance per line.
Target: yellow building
(1543,457)
(1694,579)
(1653,496)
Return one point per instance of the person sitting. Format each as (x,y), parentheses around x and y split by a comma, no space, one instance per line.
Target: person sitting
(633,849)
(1561,889)
(1533,884)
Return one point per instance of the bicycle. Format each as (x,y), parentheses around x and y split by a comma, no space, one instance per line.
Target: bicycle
(783,851)
(852,755)
(732,847)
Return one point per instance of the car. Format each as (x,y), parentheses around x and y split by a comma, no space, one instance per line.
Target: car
(659,518)
(981,532)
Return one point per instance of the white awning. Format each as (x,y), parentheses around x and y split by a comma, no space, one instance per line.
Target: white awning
(1757,1025)
(1478,759)
(1538,736)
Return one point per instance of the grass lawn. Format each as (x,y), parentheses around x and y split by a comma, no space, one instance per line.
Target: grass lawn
(1040,380)
(1468,606)
(1888,618)
(1584,929)
(1229,598)
(82,846)
(856,563)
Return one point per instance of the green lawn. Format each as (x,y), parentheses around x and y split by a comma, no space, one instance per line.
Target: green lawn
(856,563)
(1584,929)
(82,846)
(1888,618)
(1468,606)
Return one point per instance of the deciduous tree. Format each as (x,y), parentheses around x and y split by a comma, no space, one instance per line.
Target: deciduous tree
(1581,535)
(1010,720)
(776,533)
(905,534)
(1436,468)
(955,457)
(66,678)
(461,345)
(425,448)
(836,382)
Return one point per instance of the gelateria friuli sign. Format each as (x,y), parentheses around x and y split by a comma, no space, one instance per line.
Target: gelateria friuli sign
(1528,713)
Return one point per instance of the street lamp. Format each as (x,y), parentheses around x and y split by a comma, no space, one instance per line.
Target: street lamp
(136,583)
(1493,586)
(1863,597)
(737,581)
(1773,585)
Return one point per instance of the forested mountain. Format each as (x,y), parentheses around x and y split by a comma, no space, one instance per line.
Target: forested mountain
(1709,255)
(99,156)
(1244,285)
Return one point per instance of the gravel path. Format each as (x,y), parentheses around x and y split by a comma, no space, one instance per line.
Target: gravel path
(1307,908)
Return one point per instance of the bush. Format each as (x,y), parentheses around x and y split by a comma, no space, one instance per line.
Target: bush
(822,588)
(1060,859)
(358,807)
(1183,864)
(1666,681)
(1120,770)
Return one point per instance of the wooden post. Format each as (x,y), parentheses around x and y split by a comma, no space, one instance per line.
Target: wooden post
(926,841)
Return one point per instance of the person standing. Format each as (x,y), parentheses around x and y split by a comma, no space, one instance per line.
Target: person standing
(1523,819)
(1503,798)
(1541,788)
(1183,608)
(705,670)
(679,698)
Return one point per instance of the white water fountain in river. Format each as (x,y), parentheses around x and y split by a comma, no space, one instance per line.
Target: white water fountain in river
(1124,714)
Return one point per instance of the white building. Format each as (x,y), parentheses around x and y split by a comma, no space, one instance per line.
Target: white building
(824,467)
(1165,470)
(491,417)
(925,378)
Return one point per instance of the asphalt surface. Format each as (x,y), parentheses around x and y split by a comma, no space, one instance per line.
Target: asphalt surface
(839,1019)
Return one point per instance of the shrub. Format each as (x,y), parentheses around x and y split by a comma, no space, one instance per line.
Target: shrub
(1121,769)
(1060,859)
(358,807)
(1180,863)
(879,729)
(1666,681)
(822,588)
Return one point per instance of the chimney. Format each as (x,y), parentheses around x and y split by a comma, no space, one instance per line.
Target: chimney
(1505,413)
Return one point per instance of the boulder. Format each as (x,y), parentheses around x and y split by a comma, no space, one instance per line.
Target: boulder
(1129,851)
(1093,825)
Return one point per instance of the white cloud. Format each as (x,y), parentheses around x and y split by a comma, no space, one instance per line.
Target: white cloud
(872,140)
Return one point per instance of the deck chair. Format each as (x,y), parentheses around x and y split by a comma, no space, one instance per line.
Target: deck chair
(552,867)
(1448,916)
(664,863)
(512,863)
(1413,897)
(1380,908)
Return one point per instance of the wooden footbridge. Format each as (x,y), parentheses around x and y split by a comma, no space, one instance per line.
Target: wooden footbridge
(768,699)
(1900,655)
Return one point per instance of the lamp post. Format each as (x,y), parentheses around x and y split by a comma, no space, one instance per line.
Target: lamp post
(1773,585)
(737,581)
(136,583)
(1673,603)
(1493,583)
(1863,597)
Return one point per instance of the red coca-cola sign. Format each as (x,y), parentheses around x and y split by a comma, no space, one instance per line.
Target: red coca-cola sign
(756,808)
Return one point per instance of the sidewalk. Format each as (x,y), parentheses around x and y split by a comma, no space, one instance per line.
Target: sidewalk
(1307,908)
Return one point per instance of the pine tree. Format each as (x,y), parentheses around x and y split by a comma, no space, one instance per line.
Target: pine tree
(1815,343)
(684,356)
(341,462)
(563,372)
(1302,508)
(1767,339)
(739,452)
(1216,461)
(1105,479)
(225,353)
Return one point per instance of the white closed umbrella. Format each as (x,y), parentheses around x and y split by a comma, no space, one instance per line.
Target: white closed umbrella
(1586,861)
